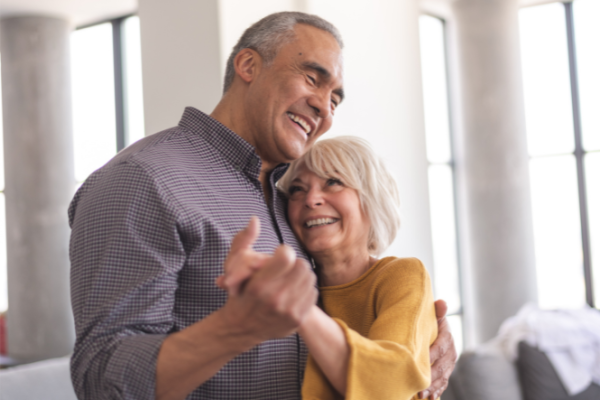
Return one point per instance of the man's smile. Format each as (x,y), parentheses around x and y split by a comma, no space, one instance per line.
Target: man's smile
(304,124)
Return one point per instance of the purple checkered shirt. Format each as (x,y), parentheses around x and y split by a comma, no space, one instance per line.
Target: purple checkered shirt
(150,232)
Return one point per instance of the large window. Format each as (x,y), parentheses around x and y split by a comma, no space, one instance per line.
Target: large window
(107,105)
(107,92)
(561,74)
(3,272)
(446,271)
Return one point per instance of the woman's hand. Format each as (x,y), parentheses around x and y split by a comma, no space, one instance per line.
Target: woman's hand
(442,355)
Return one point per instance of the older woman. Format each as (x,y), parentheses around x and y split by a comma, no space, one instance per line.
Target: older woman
(371,338)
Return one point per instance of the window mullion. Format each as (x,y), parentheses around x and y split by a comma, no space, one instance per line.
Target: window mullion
(120,112)
(579,155)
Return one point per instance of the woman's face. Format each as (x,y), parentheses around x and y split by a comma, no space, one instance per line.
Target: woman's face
(326,216)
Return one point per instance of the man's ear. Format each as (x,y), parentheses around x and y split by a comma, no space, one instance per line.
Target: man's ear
(247,64)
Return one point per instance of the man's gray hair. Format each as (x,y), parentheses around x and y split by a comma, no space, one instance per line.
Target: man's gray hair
(268,35)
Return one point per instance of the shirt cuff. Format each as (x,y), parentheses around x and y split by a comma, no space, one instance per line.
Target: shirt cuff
(132,367)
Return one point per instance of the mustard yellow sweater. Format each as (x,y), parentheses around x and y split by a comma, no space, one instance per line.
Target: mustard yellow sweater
(389,321)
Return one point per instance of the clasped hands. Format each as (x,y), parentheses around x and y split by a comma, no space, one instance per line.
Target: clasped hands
(270,295)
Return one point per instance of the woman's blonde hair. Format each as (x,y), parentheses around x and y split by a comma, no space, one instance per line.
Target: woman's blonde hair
(352,160)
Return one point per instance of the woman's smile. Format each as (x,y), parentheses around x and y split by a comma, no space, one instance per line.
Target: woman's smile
(326,215)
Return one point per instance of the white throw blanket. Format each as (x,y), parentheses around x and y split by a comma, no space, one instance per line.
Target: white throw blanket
(570,339)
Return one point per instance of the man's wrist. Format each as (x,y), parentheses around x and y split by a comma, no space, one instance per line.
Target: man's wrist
(232,334)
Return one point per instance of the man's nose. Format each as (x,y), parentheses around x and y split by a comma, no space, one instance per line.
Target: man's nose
(320,101)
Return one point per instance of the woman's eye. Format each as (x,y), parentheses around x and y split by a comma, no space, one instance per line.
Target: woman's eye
(293,190)
(333,182)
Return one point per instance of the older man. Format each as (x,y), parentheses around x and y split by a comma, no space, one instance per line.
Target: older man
(152,228)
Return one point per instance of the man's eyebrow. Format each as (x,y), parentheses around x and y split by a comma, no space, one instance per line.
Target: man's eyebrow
(319,69)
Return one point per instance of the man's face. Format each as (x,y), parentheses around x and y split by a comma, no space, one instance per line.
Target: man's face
(292,101)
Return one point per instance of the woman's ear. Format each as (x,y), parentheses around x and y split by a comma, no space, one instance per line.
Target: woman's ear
(247,64)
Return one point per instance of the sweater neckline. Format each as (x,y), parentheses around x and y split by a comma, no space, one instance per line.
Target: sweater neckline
(359,279)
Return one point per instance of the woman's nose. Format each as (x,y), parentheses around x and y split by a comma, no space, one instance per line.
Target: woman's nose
(314,198)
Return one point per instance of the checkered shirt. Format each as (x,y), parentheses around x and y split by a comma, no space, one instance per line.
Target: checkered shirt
(150,232)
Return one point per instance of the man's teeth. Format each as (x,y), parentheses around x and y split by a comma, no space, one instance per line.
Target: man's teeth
(300,121)
(320,221)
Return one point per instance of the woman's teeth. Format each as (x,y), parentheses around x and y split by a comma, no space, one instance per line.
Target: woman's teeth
(300,122)
(319,222)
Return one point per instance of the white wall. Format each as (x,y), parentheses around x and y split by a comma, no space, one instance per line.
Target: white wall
(384,102)
(181,59)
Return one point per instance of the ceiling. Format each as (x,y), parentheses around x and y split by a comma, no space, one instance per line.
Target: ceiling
(79,12)
(83,12)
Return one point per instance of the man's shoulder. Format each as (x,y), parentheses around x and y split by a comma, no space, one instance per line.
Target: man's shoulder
(143,166)
(161,148)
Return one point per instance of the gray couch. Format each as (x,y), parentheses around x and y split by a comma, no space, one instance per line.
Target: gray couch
(485,374)
(44,380)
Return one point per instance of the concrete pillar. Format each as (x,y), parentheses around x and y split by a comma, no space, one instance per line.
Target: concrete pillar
(181,59)
(491,164)
(38,157)
(384,102)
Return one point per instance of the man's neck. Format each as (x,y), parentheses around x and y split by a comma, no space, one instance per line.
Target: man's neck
(225,114)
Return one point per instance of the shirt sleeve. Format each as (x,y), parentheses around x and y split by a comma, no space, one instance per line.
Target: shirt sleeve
(125,255)
(392,362)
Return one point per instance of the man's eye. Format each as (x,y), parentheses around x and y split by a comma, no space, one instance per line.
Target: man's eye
(312,79)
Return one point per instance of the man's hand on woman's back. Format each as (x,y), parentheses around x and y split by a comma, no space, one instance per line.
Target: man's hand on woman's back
(442,355)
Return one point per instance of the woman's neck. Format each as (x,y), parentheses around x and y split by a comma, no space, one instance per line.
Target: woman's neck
(338,269)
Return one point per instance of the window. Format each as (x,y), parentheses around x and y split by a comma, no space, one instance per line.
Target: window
(107,105)
(107,92)
(561,65)
(446,268)
(3,271)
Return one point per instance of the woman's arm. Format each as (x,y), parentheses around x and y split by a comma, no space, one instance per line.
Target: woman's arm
(327,344)
(392,360)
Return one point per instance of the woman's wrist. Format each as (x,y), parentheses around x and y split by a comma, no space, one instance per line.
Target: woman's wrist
(309,320)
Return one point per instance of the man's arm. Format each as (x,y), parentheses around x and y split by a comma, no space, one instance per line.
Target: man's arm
(126,254)
(442,355)
(272,304)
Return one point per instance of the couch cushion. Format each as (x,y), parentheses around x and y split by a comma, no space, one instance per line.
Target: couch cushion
(484,376)
(541,382)
(44,380)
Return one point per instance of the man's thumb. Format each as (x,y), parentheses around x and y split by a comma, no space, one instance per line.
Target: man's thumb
(247,236)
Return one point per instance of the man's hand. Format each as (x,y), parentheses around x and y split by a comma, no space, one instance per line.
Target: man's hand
(269,296)
(442,355)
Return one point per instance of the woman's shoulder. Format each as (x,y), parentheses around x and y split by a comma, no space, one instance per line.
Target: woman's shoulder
(400,266)
(395,270)
(401,281)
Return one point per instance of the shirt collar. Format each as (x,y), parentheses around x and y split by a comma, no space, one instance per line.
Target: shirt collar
(236,150)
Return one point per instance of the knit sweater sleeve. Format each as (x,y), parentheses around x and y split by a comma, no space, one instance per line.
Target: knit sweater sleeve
(392,361)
